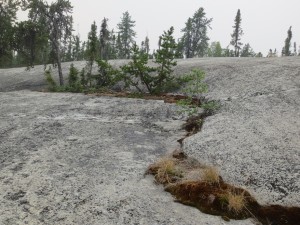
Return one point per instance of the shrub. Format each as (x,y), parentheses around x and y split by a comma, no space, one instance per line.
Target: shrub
(107,76)
(52,85)
(74,82)
(194,86)
(137,73)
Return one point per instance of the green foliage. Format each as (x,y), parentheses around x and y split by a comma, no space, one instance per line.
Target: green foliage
(194,86)
(107,76)
(215,50)
(236,35)
(195,39)
(52,86)
(247,51)
(211,106)
(137,73)
(165,58)
(287,43)
(57,22)
(104,40)
(74,82)
(126,36)
(8,10)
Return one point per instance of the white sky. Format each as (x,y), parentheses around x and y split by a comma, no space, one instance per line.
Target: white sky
(265,22)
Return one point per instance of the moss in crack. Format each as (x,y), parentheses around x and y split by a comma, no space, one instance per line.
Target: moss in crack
(215,197)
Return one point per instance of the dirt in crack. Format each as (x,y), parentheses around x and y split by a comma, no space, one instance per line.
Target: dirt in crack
(201,186)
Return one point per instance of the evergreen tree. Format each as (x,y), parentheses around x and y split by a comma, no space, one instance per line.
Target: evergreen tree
(112,50)
(247,51)
(165,58)
(92,52)
(295,49)
(287,45)
(215,49)
(195,39)
(145,46)
(8,10)
(76,52)
(119,48)
(57,21)
(104,40)
(236,35)
(30,43)
(127,35)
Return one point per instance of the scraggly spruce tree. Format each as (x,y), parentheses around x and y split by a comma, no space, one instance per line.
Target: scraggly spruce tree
(136,73)
(57,21)
(165,58)
(236,35)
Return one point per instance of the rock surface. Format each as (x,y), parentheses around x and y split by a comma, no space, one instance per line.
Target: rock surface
(75,159)
(254,139)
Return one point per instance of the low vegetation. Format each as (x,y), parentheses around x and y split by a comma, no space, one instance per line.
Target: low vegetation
(212,195)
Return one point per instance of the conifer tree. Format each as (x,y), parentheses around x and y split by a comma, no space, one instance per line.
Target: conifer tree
(76,52)
(104,40)
(247,51)
(57,21)
(92,52)
(195,39)
(8,10)
(165,58)
(127,35)
(236,35)
(287,43)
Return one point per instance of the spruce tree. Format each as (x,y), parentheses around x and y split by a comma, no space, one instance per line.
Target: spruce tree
(127,35)
(287,43)
(247,51)
(57,21)
(104,40)
(92,52)
(8,11)
(195,39)
(165,58)
(236,35)
(76,52)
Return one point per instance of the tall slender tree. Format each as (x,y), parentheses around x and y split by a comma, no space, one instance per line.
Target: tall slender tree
(57,21)
(8,10)
(287,43)
(104,40)
(165,58)
(195,39)
(237,33)
(92,52)
(127,34)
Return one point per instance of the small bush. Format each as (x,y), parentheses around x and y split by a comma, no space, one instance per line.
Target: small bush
(74,82)
(107,76)
(52,85)
(211,106)
(194,86)
(137,73)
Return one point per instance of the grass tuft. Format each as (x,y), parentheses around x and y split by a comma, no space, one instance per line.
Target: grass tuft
(236,202)
(210,175)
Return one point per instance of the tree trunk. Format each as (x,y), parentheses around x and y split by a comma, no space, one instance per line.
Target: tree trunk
(61,78)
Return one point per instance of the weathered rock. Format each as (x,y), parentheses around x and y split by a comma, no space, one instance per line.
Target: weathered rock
(75,159)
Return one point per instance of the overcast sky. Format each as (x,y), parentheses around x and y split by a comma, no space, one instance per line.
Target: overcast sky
(265,22)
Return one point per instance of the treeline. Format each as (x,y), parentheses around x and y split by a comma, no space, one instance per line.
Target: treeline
(47,37)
